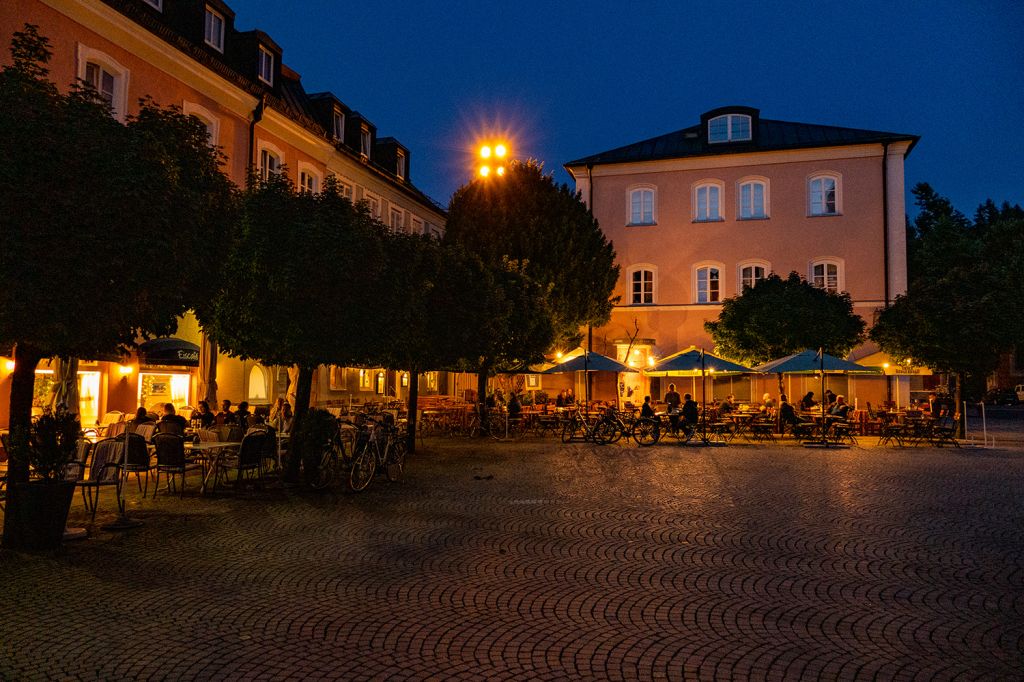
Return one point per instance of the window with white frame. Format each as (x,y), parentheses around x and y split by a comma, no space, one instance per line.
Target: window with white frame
(417,225)
(641,206)
(364,141)
(309,181)
(106,76)
(823,195)
(825,275)
(751,274)
(729,128)
(753,199)
(213,29)
(642,283)
(266,66)
(156,4)
(206,117)
(270,163)
(346,189)
(707,202)
(373,202)
(709,284)
(397,219)
(400,165)
(338,125)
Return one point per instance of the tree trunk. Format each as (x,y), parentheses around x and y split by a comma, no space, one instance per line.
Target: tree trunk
(26,359)
(782,388)
(961,421)
(481,394)
(303,386)
(414,396)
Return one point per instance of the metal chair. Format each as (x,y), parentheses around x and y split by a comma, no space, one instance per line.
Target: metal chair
(137,460)
(170,459)
(104,471)
(247,464)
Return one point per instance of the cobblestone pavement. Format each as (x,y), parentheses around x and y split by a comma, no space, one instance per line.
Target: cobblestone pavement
(495,561)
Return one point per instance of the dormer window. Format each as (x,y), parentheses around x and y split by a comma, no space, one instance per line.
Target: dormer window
(156,4)
(338,125)
(364,142)
(400,165)
(213,30)
(266,66)
(729,128)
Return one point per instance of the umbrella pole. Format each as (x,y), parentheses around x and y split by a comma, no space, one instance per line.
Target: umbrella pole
(703,399)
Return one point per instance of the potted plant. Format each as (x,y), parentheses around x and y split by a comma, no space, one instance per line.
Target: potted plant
(40,507)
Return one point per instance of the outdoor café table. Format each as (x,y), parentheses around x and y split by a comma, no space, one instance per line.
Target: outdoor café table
(209,452)
(743,421)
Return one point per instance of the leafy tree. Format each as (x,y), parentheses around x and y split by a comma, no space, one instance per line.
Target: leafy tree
(783,316)
(109,231)
(297,287)
(535,235)
(431,320)
(963,307)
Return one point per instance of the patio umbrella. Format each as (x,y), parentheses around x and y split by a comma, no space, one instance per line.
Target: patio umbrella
(65,388)
(208,371)
(692,361)
(810,362)
(588,362)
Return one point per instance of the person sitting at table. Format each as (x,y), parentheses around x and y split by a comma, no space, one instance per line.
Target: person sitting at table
(203,415)
(225,416)
(570,397)
(560,400)
(242,415)
(726,407)
(171,421)
(788,415)
(276,409)
(281,419)
(647,410)
(689,410)
(830,398)
(808,402)
(515,408)
(141,417)
(841,409)
(672,402)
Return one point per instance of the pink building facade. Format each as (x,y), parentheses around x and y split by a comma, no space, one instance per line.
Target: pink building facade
(697,214)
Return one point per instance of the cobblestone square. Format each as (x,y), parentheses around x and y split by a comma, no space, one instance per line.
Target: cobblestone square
(497,561)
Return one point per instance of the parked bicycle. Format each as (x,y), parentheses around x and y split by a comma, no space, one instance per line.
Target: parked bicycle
(379,446)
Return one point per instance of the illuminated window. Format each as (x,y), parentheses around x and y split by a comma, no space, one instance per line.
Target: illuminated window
(257,384)
(365,379)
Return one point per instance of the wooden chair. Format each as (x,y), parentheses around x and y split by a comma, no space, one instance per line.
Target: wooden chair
(247,463)
(104,471)
(170,460)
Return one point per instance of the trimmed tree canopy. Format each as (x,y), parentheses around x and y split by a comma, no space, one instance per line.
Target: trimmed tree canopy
(782,316)
(547,234)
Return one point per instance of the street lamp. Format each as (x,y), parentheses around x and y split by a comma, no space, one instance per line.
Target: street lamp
(493,159)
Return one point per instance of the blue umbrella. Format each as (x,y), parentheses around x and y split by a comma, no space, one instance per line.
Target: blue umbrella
(694,360)
(810,361)
(589,362)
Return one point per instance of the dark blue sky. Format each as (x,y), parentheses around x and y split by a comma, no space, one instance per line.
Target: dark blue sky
(568,79)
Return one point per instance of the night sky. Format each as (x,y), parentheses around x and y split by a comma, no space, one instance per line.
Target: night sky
(568,79)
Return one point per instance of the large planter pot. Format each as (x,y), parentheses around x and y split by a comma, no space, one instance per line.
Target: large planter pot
(36,515)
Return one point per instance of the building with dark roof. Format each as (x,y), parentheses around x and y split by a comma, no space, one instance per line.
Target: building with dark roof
(190,53)
(698,214)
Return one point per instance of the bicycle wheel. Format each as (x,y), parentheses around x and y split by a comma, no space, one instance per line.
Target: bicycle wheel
(604,432)
(327,470)
(570,430)
(646,432)
(617,432)
(364,465)
(496,426)
(394,462)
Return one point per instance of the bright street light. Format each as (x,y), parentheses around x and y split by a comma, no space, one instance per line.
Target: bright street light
(497,151)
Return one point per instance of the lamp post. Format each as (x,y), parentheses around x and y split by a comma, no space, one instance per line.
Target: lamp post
(492,160)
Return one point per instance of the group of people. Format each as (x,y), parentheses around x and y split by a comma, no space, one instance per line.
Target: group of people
(169,421)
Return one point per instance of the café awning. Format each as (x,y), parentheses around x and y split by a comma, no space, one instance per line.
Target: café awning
(169,351)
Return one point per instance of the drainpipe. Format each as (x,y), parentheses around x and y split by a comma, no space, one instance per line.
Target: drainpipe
(257,116)
(590,186)
(885,218)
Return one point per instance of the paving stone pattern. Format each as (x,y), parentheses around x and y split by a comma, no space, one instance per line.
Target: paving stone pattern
(530,561)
